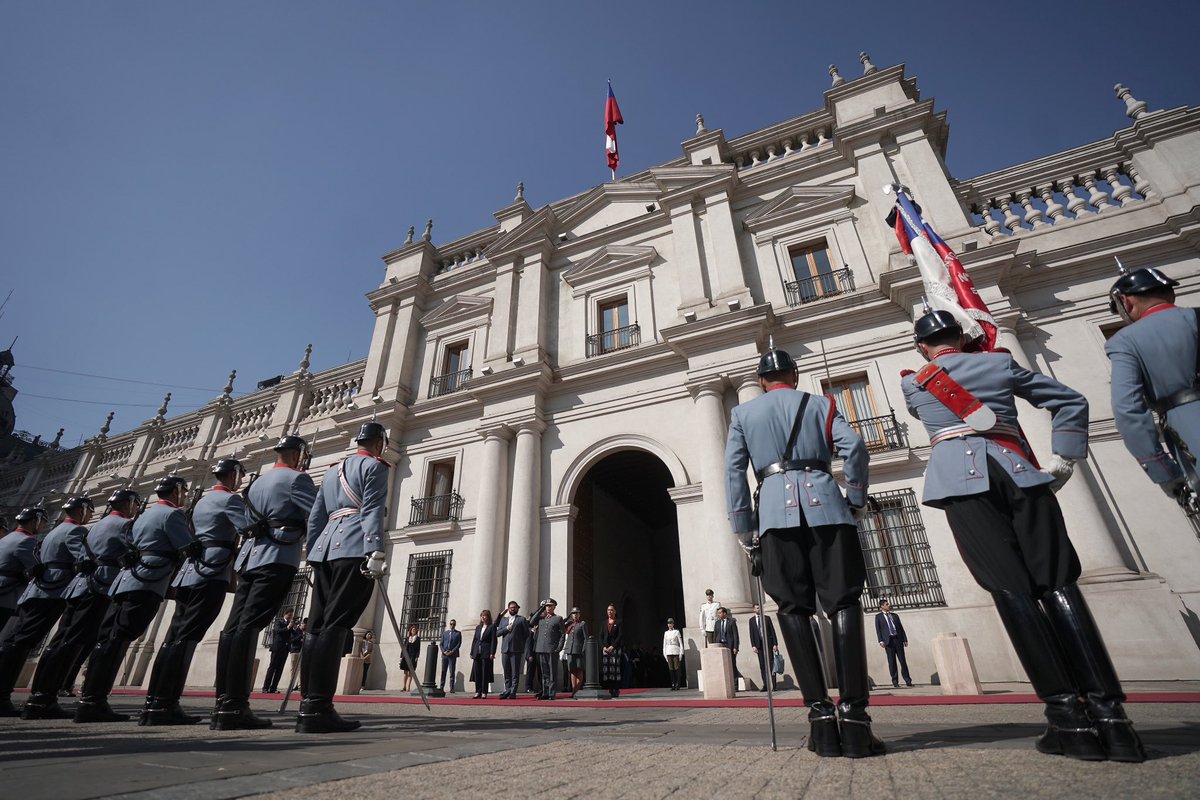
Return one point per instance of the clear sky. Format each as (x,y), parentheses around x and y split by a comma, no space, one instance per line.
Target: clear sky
(188,188)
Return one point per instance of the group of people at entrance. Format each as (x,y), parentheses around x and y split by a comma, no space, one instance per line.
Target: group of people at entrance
(800,531)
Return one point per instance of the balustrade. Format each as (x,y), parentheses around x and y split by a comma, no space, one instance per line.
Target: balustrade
(114,457)
(616,339)
(448,383)
(818,287)
(786,146)
(175,441)
(438,508)
(332,398)
(251,421)
(880,434)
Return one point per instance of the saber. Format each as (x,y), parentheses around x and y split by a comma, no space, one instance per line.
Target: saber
(755,556)
(401,639)
(291,683)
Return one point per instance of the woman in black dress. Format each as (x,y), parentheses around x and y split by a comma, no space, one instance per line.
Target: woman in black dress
(412,646)
(613,650)
(483,654)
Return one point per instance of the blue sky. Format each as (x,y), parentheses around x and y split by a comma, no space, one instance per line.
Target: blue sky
(188,188)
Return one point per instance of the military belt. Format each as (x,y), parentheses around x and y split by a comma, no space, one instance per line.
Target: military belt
(789,466)
(1182,397)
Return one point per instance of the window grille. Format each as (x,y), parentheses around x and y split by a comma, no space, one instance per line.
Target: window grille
(426,592)
(900,565)
(296,600)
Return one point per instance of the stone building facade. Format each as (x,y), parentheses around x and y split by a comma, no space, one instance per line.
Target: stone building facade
(558,384)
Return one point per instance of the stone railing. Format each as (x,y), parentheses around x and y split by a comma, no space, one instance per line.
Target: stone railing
(1068,186)
(12,478)
(333,396)
(457,260)
(57,471)
(793,138)
(250,417)
(116,455)
(176,440)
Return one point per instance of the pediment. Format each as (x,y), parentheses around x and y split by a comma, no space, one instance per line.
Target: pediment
(606,205)
(534,231)
(799,201)
(459,308)
(607,262)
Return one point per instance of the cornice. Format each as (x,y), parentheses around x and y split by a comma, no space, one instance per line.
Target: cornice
(608,260)
(796,202)
(719,331)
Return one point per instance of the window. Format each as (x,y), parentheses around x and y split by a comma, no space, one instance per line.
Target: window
(815,276)
(899,563)
(456,370)
(440,503)
(295,601)
(426,591)
(880,432)
(615,331)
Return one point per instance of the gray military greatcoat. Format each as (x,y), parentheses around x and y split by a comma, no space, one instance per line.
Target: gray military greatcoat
(159,534)
(219,518)
(349,524)
(283,496)
(58,552)
(108,543)
(16,556)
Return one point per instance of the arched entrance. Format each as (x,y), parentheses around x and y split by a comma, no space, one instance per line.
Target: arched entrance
(626,552)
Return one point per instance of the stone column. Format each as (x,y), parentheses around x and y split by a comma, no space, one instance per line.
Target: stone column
(728,566)
(524,540)
(1098,553)
(748,388)
(485,567)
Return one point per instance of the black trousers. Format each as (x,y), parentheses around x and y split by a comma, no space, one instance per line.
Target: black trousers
(895,652)
(129,615)
(1013,539)
(196,609)
(260,593)
(340,594)
(801,564)
(35,617)
(512,671)
(548,663)
(69,647)
(274,670)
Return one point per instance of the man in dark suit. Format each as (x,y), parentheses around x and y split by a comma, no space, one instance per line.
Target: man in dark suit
(764,653)
(280,646)
(725,634)
(513,631)
(890,632)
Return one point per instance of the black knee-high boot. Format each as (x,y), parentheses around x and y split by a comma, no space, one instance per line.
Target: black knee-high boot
(220,679)
(317,714)
(307,649)
(796,632)
(850,654)
(1069,732)
(43,690)
(1090,665)
(12,661)
(103,666)
(234,712)
(166,686)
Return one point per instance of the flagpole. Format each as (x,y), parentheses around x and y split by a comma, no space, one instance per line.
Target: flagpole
(614,174)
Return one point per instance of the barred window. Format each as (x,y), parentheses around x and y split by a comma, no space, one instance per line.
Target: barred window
(296,600)
(900,565)
(426,592)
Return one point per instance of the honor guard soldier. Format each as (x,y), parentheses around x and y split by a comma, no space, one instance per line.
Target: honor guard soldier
(345,549)
(218,518)
(42,571)
(279,502)
(160,538)
(1156,365)
(1010,530)
(104,546)
(809,544)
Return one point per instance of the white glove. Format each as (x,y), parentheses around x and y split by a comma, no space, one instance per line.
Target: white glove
(1060,469)
(376,566)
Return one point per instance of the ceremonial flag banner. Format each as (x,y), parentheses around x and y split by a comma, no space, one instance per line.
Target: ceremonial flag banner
(612,118)
(948,287)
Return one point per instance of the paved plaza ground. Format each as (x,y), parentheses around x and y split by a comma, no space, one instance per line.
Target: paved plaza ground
(636,748)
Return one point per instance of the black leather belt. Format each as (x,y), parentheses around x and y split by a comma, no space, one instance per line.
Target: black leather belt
(789,466)
(1183,396)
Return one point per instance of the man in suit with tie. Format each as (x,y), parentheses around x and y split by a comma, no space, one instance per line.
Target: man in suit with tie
(451,643)
(890,632)
(725,634)
(513,631)
(763,651)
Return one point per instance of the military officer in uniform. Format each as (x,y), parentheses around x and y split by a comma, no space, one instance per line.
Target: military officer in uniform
(50,566)
(345,549)
(1155,366)
(809,545)
(17,557)
(218,518)
(1010,530)
(160,538)
(279,502)
(104,546)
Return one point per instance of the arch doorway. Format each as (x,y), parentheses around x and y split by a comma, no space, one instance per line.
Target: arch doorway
(626,552)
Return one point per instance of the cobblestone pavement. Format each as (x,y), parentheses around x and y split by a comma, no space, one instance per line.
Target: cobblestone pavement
(561,751)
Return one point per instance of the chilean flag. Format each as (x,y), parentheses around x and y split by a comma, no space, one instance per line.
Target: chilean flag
(948,287)
(612,118)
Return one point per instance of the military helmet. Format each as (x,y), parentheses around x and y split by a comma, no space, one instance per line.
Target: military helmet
(775,360)
(79,501)
(226,465)
(933,323)
(169,483)
(370,432)
(123,495)
(1146,279)
(291,442)
(30,513)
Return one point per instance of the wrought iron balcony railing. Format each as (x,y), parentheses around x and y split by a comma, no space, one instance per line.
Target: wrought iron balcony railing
(818,287)
(448,383)
(438,508)
(881,434)
(616,339)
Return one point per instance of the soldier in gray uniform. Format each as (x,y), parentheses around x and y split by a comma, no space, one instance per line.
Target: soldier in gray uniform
(104,546)
(345,549)
(1156,366)
(17,557)
(1010,530)
(160,538)
(279,503)
(218,518)
(48,568)
(809,545)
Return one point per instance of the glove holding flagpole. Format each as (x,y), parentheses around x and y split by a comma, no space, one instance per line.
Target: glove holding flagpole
(612,118)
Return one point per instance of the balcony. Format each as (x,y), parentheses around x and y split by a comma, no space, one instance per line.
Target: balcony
(818,287)
(880,434)
(449,383)
(616,339)
(438,508)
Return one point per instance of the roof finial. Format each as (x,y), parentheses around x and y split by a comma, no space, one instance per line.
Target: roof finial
(228,390)
(520,192)
(107,425)
(411,233)
(162,410)
(57,438)
(868,67)
(838,80)
(700,125)
(428,234)
(1134,108)
(304,362)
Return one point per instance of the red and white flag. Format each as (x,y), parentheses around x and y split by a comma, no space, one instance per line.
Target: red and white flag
(612,118)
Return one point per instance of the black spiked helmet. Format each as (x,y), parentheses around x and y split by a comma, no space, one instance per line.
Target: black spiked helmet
(31,513)
(934,322)
(775,360)
(370,432)
(226,465)
(79,501)
(291,442)
(123,495)
(168,483)
(1146,279)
